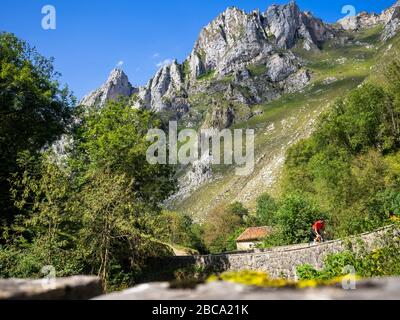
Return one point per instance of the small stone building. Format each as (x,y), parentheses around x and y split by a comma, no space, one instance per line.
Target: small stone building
(251,237)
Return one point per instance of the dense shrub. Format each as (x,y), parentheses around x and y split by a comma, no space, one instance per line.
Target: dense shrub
(266,210)
(295,217)
(223,225)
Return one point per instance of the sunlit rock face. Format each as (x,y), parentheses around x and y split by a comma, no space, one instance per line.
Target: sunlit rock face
(166,90)
(389,18)
(117,85)
(235,38)
(392,21)
(226,47)
(288,24)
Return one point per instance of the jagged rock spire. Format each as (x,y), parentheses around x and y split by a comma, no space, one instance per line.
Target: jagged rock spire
(117,85)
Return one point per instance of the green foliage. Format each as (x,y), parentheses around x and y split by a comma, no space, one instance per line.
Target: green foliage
(34,110)
(238,209)
(95,212)
(178,229)
(274,240)
(231,244)
(111,225)
(356,142)
(115,138)
(388,202)
(359,119)
(223,225)
(379,263)
(291,219)
(257,70)
(307,272)
(207,76)
(174,228)
(295,217)
(335,265)
(186,69)
(44,232)
(266,210)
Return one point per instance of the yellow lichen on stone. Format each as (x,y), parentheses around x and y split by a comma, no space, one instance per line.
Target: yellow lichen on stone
(261,279)
(252,278)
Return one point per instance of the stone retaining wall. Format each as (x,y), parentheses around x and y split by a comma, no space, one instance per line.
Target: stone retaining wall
(277,262)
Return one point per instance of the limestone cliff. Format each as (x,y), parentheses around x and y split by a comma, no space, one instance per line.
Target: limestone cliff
(230,46)
(389,18)
(117,85)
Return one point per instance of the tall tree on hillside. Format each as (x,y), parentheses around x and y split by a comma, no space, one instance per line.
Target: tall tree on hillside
(34,110)
(115,139)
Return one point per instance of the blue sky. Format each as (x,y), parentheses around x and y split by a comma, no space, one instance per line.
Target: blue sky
(92,37)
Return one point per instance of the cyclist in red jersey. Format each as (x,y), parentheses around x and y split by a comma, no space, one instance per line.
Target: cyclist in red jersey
(316,231)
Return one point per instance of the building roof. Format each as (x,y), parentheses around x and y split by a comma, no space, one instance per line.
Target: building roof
(254,234)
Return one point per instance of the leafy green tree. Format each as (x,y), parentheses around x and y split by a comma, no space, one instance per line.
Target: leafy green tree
(231,244)
(266,210)
(237,208)
(115,138)
(34,110)
(197,238)
(110,226)
(295,217)
(392,75)
(220,224)
(174,228)
(223,225)
(45,231)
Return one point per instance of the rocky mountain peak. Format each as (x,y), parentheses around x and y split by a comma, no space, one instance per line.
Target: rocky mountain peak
(228,45)
(164,89)
(392,21)
(235,38)
(245,56)
(389,18)
(288,24)
(117,74)
(361,21)
(117,85)
(230,40)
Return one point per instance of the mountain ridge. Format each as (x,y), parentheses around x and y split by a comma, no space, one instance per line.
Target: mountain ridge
(223,31)
(233,41)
